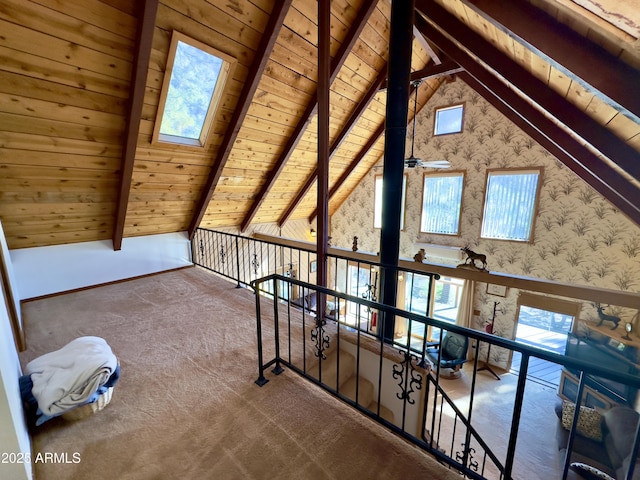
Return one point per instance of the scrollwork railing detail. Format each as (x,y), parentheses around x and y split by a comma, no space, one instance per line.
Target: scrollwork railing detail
(409,378)
(322,341)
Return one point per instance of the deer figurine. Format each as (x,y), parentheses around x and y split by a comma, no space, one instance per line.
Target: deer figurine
(605,317)
(473,256)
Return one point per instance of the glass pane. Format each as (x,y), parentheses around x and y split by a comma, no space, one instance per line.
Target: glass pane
(193,81)
(417,294)
(447,298)
(377,210)
(509,206)
(359,281)
(377,199)
(442,198)
(448,120)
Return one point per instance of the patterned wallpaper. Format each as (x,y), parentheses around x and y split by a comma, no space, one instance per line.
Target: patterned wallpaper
(580,237)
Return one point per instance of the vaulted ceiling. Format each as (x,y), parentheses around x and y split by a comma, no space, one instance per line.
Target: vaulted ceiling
(80,87)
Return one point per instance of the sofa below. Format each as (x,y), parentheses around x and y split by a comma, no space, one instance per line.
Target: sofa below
(611,453)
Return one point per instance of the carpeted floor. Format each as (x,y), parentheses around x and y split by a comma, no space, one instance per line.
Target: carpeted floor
(187,407)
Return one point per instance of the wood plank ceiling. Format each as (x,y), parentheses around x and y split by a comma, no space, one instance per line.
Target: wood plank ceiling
(80,86)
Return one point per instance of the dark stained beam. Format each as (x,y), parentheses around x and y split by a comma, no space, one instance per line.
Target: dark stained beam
(138,84)
(352,166)
(567,114)
(435,58)
(348,126)
(605,180)
(269,37)
(324,83)
(341,56)
(565,49)
(602,177)
(356,161)
(448,67)
(432,71)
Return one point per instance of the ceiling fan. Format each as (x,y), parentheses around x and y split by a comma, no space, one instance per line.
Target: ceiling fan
(413,161)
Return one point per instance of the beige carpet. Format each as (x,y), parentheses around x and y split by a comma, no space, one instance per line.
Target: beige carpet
(186,406)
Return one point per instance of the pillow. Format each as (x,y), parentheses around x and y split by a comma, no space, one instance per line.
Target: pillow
(589,420)
(589,473)
(330,308)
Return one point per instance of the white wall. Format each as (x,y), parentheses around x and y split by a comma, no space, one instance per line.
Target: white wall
(46,270)
(14,436)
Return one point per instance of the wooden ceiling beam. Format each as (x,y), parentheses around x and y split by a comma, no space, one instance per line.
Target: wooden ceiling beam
(432,71)
(356,161)
(448,67)
(435,58)
(432,20)
(269,38)
(582,160)
(583,61)
(144,44)
(607,182)
(348,126)
(341,56)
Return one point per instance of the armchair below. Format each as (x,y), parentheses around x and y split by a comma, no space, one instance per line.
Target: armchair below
(308,303)
(453,353)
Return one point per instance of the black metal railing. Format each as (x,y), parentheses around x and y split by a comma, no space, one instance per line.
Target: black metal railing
(242,260)
(300,340)
(351,320)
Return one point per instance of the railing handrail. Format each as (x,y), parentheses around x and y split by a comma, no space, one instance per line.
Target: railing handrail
(215,249)
(478,335)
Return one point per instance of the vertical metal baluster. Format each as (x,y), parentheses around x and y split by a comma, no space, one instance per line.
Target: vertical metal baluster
(276,318)
(517,411)
(237,262)
(261,378)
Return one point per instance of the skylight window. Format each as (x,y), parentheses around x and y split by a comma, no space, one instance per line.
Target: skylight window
(191,90)
(448,120)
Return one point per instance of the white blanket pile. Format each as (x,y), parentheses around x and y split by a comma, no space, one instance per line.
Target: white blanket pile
(68,377)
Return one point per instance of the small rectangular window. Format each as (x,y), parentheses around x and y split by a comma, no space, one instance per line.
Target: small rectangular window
(377,198)
(448,120)
(441,203)
(192,87)
(510,204)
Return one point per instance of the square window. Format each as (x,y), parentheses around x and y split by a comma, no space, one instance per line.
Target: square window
(192,87)
(377,208)
(448,120)
(510,204)
(441,203)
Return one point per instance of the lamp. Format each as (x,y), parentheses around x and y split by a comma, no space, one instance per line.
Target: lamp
(627,327)
(313,233)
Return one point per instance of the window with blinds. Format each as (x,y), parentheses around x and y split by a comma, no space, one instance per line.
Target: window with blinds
(510,204)
(441,203)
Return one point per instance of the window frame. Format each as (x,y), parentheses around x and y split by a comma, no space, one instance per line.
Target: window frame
(448,173)
(436,110)
(228,63)
(536,202)
(403,214)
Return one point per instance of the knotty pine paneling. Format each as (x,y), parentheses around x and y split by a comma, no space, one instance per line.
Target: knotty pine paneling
(64,81)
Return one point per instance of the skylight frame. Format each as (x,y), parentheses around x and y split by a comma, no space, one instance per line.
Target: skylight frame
(228,62)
